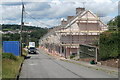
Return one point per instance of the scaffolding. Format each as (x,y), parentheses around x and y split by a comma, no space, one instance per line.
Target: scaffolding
(64,36)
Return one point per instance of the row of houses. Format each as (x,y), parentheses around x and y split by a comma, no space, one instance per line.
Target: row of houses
(84,28)
(14,32)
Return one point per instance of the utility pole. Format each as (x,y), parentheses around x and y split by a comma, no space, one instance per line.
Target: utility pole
(22,23)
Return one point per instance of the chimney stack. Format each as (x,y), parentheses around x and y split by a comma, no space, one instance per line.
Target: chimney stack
(69,18)
(79,10)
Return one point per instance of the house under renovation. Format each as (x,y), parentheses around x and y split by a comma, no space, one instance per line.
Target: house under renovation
(84,28)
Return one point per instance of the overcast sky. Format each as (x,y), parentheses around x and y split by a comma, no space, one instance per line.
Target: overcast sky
(52,11)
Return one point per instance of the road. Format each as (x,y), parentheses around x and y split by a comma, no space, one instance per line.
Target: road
(45,66)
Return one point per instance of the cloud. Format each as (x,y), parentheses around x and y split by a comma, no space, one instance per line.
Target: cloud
(11,12)
(26,0)
(10,22)
(119,8)
(51,11)
(13,3)
(106,19)
(40,6)
(44,23)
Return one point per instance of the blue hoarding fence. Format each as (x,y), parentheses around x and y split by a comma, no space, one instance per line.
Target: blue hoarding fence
(11,47)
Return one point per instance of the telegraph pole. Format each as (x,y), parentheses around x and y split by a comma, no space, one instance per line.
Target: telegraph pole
(22,23)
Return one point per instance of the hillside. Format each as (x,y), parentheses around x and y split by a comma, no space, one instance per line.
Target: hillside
(114,23)
(30,33)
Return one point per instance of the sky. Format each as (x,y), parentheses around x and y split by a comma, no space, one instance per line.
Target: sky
(48,13)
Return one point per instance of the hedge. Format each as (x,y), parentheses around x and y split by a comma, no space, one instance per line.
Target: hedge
(108,47)
(9,56)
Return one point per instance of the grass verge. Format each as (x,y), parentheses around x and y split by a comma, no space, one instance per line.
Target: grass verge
(11,67)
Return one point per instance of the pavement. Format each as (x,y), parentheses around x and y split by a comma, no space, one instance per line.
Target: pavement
(107,69)
(42,65)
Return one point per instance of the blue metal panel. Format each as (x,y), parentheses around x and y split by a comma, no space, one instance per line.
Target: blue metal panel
(11,47)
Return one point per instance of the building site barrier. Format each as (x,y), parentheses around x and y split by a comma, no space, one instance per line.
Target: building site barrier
(88,51)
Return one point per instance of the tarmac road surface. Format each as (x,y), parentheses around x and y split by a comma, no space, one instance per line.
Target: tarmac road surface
(45,66)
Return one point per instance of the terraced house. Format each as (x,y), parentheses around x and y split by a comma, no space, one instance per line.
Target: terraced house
(84,28)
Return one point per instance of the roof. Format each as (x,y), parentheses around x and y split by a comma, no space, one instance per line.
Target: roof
(78,17)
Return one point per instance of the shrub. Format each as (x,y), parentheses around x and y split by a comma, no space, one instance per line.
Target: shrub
(109,45)
(72,56)
(9,56)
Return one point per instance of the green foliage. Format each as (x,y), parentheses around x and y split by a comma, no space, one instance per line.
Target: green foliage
(110,40)
(9,27)
(34,36)
(119,44)
(72,56)
(10,68)
(9,56)
(118,24)
(11,37)
(109,45)
(114,24)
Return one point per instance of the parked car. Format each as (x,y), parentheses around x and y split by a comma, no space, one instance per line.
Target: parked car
(32,50)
